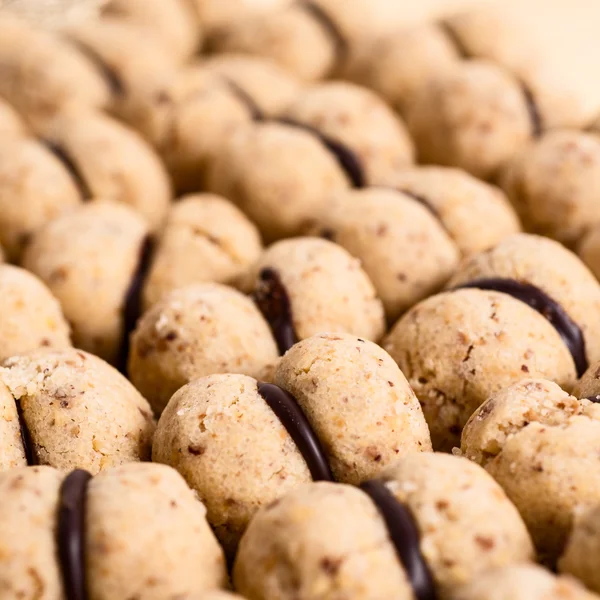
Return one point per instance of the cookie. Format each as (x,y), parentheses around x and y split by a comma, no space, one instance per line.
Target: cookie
(401,245)
(536,266)
(45,190)
(43,73)
(475,214)
(475,116)
(541,445)
(266,84)
(397,65)
(73,410)
(174,22)
(522,582)
(314,423)
(279,174)
(288,284)
(128,56)
(360,121)
(11,123)
(91,259)
(170,113)
(86,536)
(588,250)
(459,347)
(112,162)
(589,385)
(428,525)
(31,316)
(583,543)
(194,331)
(205,238)
(553,185)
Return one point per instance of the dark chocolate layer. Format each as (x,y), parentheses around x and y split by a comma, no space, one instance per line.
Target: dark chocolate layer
(404,534)
(534,297)
(273,301)
(71,533)
(290,414)
(245,98)
(114,82)
(69,163)
(535,117)
(329,25)
(132,305)
(28,445)
(345,156)
(595,399)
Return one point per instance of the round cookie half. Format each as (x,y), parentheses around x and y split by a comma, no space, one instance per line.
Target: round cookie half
(541,445)
(195,331)
(304,286)
(401,245)
(459,347)
(11,123)
(30,172)
(76,411)
(530,260)
(278,174)
(90,259)
(31,316)
(205,238)
(357,118)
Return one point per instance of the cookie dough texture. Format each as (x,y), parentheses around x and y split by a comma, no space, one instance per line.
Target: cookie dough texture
(35,188)
(174,22)
(205,238)
(128,509)
(550,267)
(475,214)
(522,582)
(327,288)
(589,385)
(266,83)
(279,175)
(583,544)
(31,316)
(458,348)
(329,540)
(401,245)
(589,250)
(195,331)
(170,113)
(474,116)
(113,162)
(79,411)
(361,121)
(541,445)
(88,258)
(553,184)
(11,123)
(42,74)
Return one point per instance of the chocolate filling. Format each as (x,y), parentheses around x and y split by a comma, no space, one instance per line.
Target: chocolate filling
(404,534)
(423,201)
(28,446)
(329,25)
(244,97)
(290,414)
(71,533)
(114,82)
(273,302)
(535,117)
(568,330)
(346,157)
(455,40)
(69,163)
(132,306)
(595,399)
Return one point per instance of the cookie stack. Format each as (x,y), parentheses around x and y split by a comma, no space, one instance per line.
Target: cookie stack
(299,301)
